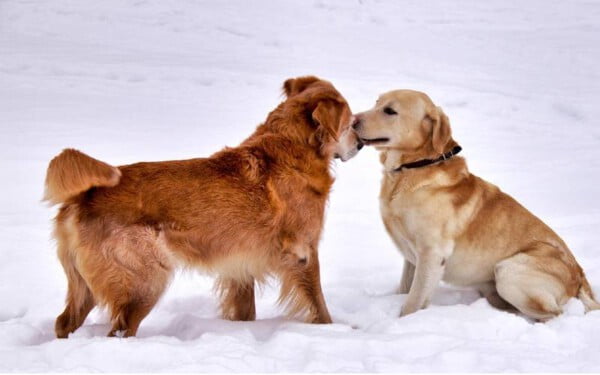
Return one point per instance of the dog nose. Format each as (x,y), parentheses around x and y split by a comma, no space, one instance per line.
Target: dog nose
(356,123)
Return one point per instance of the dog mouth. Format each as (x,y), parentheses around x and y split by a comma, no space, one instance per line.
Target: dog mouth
(374,141)
(350,154)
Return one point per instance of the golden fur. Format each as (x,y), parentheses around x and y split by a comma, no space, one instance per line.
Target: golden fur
(243,214)
(74,171)
(452,225)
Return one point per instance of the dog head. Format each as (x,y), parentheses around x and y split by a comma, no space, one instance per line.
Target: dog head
(407,121)
(327,114)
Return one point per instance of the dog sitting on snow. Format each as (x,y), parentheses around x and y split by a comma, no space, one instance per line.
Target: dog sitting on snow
(452,225)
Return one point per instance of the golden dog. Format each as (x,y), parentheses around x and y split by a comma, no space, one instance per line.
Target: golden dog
(452,225)
(243,214)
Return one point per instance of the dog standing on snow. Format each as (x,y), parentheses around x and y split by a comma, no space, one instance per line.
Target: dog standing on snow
(243,214)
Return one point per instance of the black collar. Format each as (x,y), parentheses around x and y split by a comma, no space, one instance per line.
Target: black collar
(425,162)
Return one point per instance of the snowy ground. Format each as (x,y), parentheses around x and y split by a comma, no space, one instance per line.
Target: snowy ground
(131,80)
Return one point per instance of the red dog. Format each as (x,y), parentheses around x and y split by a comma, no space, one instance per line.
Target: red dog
(244,213)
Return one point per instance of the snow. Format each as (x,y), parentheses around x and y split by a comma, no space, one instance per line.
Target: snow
(131,80)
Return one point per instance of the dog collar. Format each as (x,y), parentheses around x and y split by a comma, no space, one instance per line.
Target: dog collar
(426,162)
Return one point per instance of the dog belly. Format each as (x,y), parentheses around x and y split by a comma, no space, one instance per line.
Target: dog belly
(468,268)
(240,265)
(237,257)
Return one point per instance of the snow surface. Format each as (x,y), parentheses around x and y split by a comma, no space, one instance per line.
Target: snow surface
(132,80)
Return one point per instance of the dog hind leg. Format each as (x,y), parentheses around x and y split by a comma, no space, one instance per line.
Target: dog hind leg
(488,290)
(536,281)
(130,300)
(127,318)
(79,297)
(136,271)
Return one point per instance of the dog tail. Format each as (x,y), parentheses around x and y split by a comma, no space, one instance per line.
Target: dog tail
(587,296)
(73,172)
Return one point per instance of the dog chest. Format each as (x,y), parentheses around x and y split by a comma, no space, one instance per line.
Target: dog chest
(399,234)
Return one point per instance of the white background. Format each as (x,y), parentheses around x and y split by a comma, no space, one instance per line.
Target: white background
(133,80)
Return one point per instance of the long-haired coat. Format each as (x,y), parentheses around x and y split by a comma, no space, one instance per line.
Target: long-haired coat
(243,214)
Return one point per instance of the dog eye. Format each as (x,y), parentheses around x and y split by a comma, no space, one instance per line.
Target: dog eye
(389,111)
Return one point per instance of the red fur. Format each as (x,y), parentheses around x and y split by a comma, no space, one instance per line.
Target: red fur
(244,213)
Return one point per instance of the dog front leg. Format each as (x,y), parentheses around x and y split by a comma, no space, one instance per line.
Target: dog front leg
(301,284)
(313,280)
(428,273)
(408,273)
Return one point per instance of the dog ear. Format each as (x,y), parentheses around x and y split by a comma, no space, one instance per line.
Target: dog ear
(295,86)
(440,128)
(328,115)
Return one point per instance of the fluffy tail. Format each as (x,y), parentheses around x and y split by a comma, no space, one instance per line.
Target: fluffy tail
(73,172)
(587,296)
